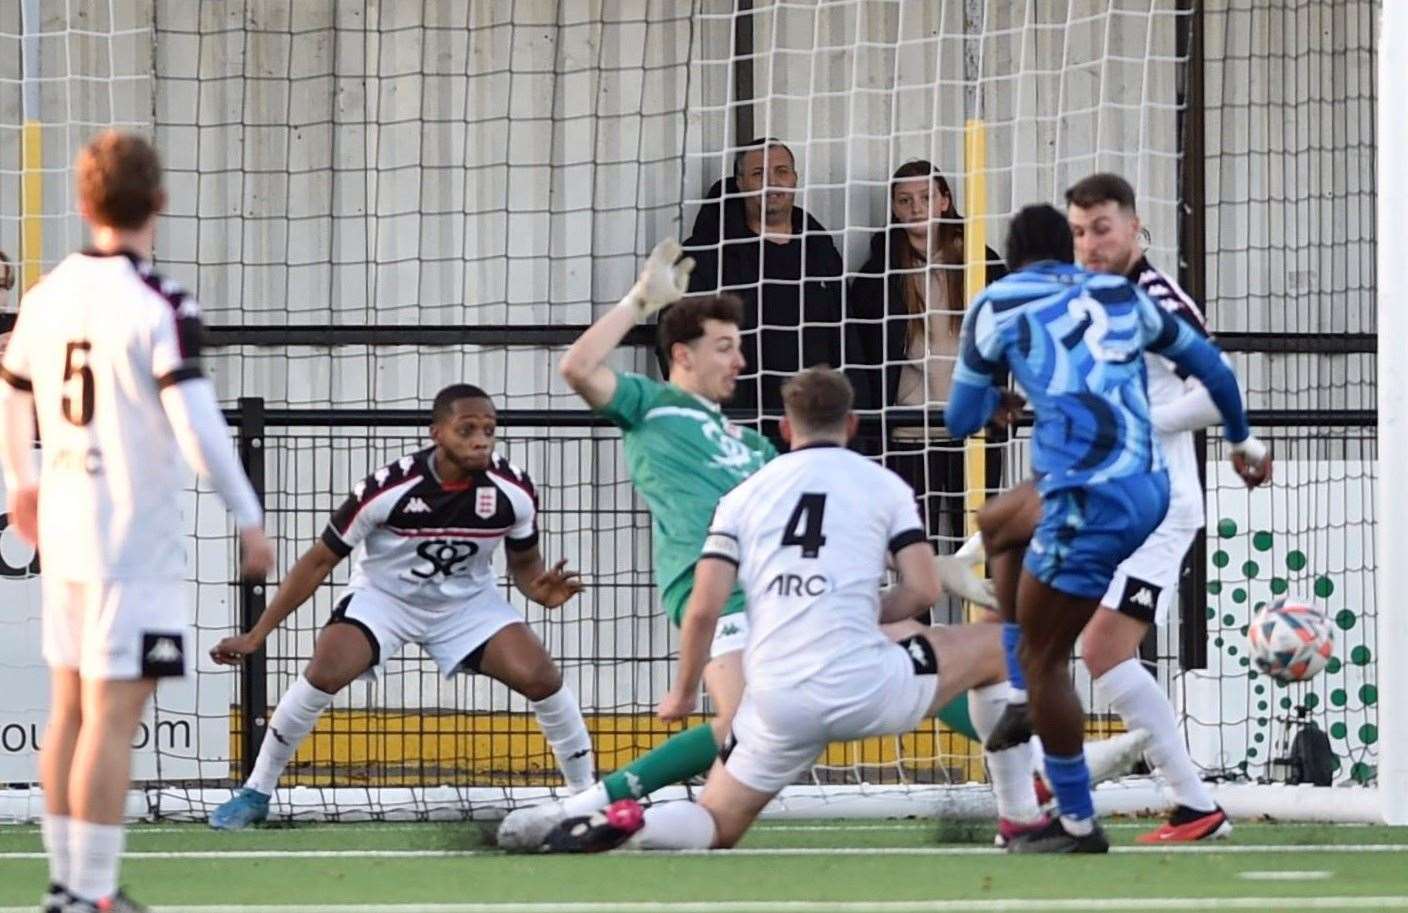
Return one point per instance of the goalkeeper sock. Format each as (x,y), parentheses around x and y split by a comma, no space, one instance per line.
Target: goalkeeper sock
(561,721)
(293,719)
(1135,696)
(681,757)
(54,831)
(1010,770)
(956,715)
(1011,637)
(675,826)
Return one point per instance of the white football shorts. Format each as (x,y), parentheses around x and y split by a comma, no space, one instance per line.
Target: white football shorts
(1146,583)
(116,629)
(779,732)
(449,634)
(730,634)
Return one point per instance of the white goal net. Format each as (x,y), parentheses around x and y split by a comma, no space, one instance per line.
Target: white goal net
(372,200)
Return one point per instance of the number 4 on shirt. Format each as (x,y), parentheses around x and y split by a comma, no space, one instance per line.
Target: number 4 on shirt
(804,526)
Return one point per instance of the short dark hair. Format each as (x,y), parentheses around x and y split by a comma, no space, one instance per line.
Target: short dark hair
(684,322)
(818,399)
(764,143)
(1038,233)
(1101,187)
(445,400)
(119,179)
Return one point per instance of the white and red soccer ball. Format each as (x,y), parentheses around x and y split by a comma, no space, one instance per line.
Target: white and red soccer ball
(1291,640)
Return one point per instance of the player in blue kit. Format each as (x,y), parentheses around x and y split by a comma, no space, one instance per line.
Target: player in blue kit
(1074,341)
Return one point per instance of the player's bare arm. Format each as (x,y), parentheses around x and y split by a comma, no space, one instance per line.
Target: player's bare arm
(302,580)
(547,586)
(918,587)
(713,581)
(663,281)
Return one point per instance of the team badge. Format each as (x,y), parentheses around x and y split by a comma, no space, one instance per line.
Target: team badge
(486,502)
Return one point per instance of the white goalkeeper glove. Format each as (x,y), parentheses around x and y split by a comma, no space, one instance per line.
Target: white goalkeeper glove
(663,281)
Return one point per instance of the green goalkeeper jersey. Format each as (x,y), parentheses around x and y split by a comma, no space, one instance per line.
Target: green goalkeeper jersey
(683,455)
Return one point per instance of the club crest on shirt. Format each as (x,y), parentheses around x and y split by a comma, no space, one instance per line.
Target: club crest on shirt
(486,501)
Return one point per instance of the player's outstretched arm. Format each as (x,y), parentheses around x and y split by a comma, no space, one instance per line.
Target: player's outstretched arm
(713,582)
(1172,339)
(918,588)
(200,431)
(973,398)
(302,580)
(547,586)
(17,458)
(663,281)
(1192,410)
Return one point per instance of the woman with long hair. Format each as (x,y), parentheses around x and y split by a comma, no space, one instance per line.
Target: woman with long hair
(906,305)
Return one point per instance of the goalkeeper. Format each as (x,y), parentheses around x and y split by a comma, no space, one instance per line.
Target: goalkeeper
(683,455)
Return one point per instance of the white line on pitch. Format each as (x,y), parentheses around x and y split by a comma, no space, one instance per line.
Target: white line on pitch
(1286,875)
(975,905)
(1197,849)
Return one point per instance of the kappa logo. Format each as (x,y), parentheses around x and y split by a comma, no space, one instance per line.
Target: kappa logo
(406,462)
(728,630)
(416,506)
(164,650)
(633,784)
(916,653)
(1141,598)
(381,475)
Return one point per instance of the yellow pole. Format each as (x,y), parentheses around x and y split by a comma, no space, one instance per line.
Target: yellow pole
(975,278)
(31,203)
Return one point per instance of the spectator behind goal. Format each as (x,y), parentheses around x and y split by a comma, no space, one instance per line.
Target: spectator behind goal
(781,262)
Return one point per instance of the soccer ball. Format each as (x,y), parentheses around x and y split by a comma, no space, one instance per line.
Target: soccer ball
(1291,640)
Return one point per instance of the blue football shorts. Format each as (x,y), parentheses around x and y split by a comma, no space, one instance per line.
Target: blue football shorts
(1085,532)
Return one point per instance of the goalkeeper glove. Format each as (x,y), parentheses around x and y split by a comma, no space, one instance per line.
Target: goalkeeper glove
(663,281)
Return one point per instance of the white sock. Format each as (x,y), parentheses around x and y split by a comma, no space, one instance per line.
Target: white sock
(293,719)
(561,721)
(54,830)
(94,852)
(674,826)
(1077,827)
(593,798)
(1135,696)
(972,549)
(1010,770)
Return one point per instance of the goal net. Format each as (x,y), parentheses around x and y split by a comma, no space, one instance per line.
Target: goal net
(372,201)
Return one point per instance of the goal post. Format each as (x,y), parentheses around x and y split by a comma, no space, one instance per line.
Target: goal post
(374,200)
(1392,313)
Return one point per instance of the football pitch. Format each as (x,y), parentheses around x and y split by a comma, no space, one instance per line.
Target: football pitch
(814,866)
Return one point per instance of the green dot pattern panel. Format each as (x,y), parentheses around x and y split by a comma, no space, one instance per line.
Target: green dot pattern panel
(1308,537)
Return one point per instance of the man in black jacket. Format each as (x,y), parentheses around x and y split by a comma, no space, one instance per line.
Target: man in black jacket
(782,262)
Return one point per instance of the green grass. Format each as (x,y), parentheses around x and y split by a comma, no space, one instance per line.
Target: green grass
(817,869)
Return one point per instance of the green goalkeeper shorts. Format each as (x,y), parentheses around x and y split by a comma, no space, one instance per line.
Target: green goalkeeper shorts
(676,597)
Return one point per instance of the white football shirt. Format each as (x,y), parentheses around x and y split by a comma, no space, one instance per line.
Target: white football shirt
(431,543)
(96,341)
(1185,506)
(810,533)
